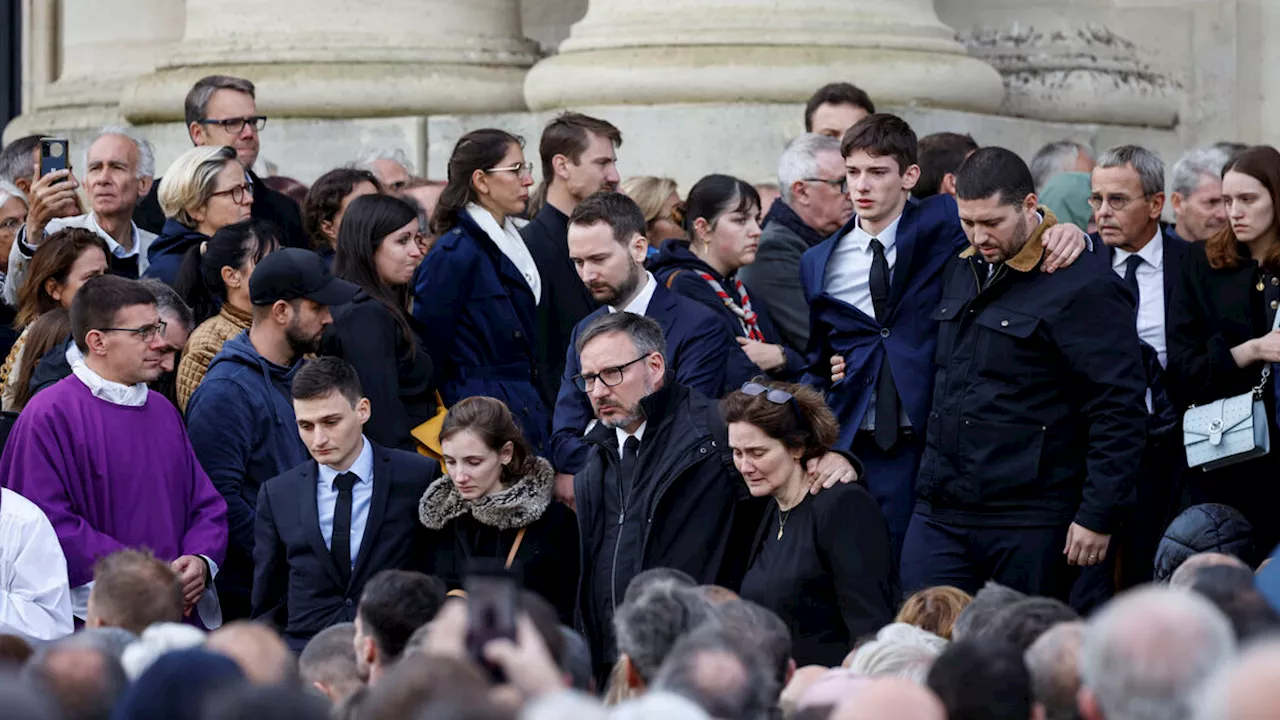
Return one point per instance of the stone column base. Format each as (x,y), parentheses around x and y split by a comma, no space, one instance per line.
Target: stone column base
(713,74)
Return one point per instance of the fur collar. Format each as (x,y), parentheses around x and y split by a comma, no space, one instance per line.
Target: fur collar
(514,507)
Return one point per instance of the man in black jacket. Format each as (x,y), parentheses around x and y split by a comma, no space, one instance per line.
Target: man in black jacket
(659,488)
(324,528)
(579,159)
(1038,419)
(223,110)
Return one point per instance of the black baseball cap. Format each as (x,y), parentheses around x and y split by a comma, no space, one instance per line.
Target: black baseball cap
(291,273)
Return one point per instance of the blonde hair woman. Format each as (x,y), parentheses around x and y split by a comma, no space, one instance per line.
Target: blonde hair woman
(660,202)
(203,191)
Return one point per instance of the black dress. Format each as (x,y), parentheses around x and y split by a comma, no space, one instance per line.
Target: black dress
(829,576)
(1214,310)
(547,559)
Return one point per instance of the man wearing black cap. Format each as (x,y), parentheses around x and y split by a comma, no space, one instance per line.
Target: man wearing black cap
(241,419)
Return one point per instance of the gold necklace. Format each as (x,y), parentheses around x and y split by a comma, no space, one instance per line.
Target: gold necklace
(784,514)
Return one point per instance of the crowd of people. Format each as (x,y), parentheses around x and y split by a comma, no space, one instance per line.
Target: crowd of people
(924,430)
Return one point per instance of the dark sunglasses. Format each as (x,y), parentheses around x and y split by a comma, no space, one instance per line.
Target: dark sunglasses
(777,397)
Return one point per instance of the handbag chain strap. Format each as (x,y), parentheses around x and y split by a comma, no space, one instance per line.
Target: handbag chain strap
(1257,389)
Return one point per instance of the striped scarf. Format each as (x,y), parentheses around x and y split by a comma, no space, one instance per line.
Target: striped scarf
(750,321)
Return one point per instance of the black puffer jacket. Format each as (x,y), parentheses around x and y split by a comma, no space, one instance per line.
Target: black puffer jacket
(1204,528)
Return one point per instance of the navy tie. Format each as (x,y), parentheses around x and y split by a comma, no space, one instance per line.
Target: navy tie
(340,548)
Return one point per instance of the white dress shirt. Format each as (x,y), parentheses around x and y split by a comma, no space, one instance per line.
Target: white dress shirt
(507,238)
(361,498)
(639,304)
(35,598)
(1150,292)
(20,253)
(849,270)
(623,435)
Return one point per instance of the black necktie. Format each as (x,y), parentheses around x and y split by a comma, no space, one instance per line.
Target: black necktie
(340,548)
(1131,276)
(886,432)
(630,459)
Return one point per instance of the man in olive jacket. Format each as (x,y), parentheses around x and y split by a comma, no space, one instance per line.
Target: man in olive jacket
(1039,417)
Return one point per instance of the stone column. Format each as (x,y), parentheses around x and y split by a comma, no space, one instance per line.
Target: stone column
(79,55)
(347,58)
(724,51)
(1062,61)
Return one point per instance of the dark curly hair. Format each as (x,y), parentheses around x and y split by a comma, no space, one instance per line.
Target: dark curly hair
(325,199)
(804,422)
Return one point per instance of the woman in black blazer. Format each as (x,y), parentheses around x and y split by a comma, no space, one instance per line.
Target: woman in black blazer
(822,562)
(1220,335)
(495,503)
(378,250)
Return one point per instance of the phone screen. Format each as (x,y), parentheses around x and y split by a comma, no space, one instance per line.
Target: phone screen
(493,598)
(53,155)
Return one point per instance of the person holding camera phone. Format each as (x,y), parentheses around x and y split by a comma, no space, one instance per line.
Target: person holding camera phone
(118,169)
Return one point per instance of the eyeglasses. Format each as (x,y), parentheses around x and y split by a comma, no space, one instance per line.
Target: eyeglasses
(146,333)
(237,193)
(611,377)
(775,396)
(235,125)
(1115,202)
(842,184)
(520,169)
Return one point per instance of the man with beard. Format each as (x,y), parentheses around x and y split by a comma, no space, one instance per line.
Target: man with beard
(608,246)
(1038,421)
(109,462)
(241,417)
(658,488)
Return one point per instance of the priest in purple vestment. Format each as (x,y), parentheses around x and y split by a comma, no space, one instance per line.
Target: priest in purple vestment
(109,461)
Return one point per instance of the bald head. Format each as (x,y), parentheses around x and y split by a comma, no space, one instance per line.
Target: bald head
(258,650)
(890,699)
(801,681)
(328,663)
(1185,575)
(1053,661)
(85,681)
(1247,689)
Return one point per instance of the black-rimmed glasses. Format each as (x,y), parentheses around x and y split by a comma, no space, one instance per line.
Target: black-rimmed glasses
(146,333)
(1115,202)
(611,377)
(842,184)
(237,193)
(235,125)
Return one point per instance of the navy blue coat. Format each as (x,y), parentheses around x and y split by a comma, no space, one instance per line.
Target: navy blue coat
(165,254)
(929,235)
(1038,415)
(478,321)
(697,344)
(677,267)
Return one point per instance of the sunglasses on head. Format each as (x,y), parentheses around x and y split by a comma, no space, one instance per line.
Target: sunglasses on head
(775,396)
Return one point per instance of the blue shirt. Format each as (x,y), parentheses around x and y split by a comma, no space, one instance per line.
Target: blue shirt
(361,498)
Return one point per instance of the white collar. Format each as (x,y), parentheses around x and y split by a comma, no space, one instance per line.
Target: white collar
(362,467)
(623,435)
(104,389)
(510,225)
(1152,252)
(639,304)
(862,240)
(91,223)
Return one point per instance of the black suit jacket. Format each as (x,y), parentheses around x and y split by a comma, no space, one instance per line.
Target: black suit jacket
(1175,251)
(565,300)
(267,205)
(295,580)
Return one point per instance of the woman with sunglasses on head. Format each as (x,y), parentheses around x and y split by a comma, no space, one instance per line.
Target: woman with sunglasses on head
(822,562)
(478,291)
(722,216)
(203,191)
(378,251)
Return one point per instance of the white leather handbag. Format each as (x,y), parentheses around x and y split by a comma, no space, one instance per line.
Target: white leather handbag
(1228,431)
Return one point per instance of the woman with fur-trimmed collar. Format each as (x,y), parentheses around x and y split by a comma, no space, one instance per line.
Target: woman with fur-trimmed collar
(496,503)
